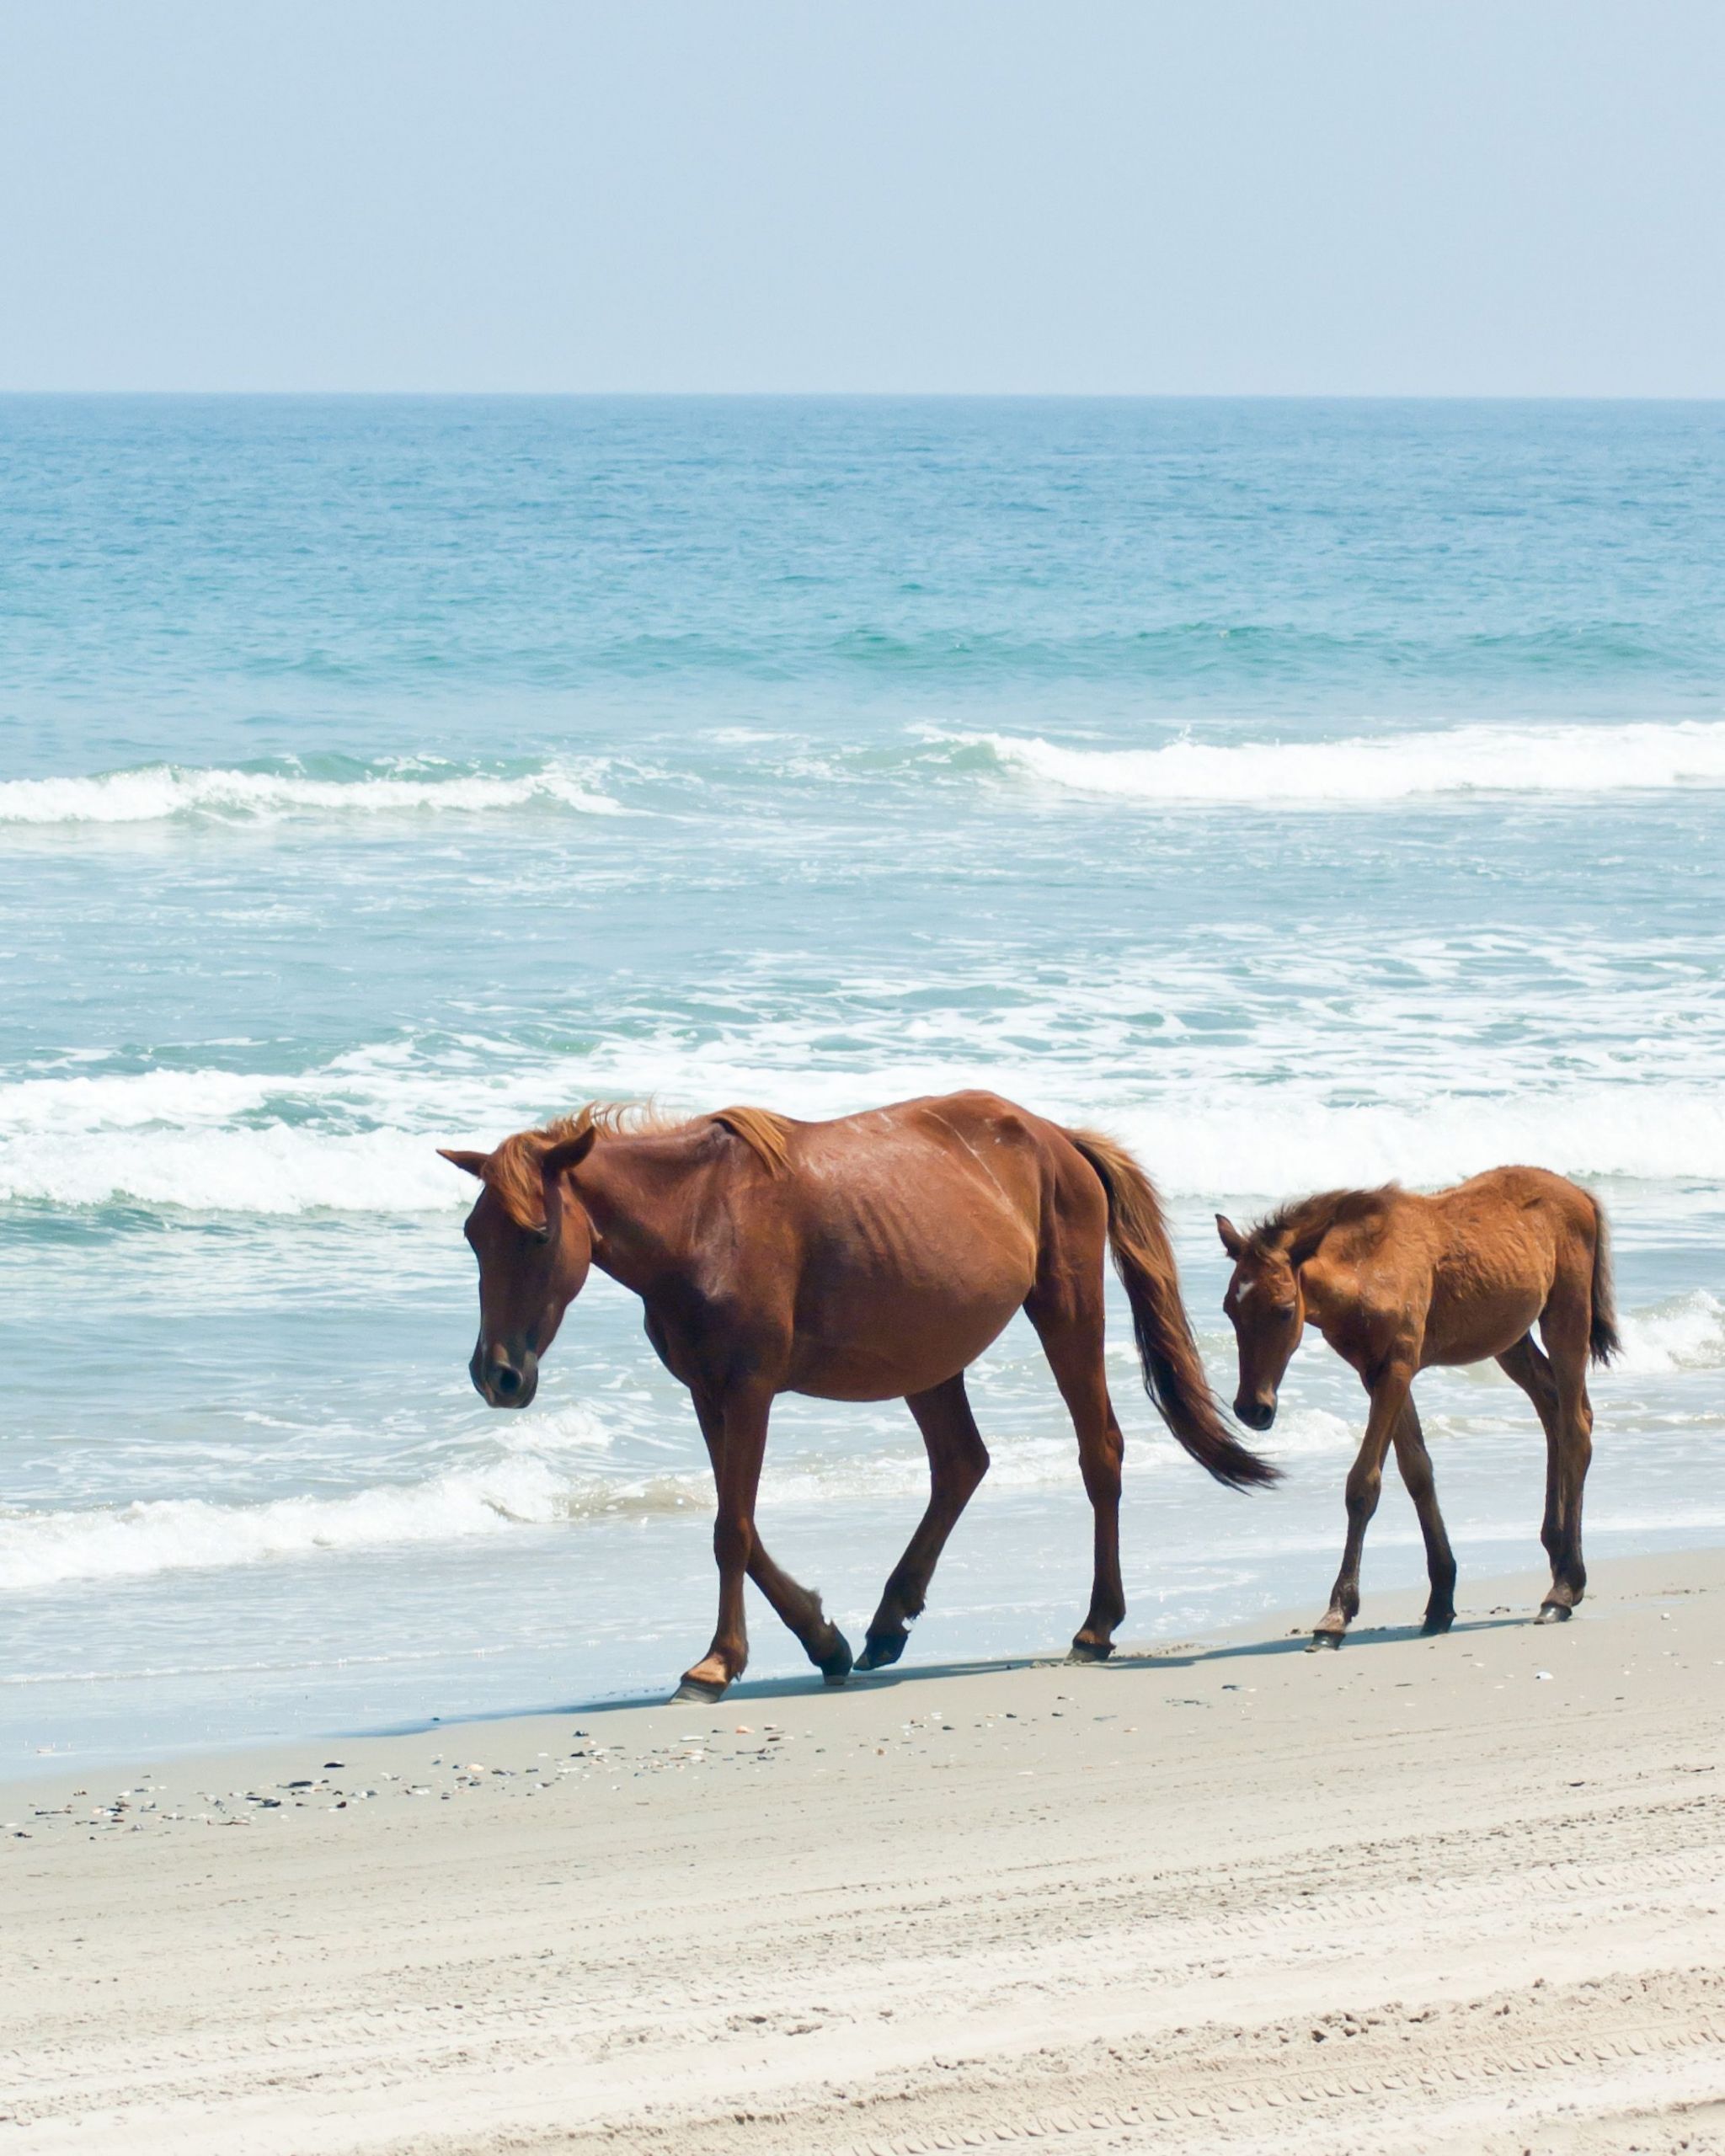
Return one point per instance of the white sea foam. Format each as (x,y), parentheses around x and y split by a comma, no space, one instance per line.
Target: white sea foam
(549,1468)
(1233,1145)
(126,1101)
(522,1489)
(278,1169)
(1463,760)
(1305,1432)
(156,791)
(553,1472)
(1277,1142)
(1686,1334)
(1552,758)
(190,1533)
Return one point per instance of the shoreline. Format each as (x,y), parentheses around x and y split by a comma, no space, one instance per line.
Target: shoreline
(1393,1554)
(1033,1899)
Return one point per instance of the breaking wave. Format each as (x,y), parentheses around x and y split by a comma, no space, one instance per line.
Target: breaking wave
(1686,1334)
(1555,758)
(166,1140)
(1387,767)
(137,1541)
(523,1489)
(279,1169)
(156,793)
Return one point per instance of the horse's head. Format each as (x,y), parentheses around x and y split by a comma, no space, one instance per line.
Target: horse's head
(1267,1306)
(531,1236)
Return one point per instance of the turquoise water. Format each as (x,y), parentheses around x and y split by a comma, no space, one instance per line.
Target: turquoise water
(1309,792)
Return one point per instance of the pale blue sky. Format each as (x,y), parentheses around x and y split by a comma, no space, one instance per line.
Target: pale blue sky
(1343,196)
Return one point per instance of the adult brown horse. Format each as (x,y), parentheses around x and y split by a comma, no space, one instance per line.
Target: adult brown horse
(868,1258)
(1397,1283)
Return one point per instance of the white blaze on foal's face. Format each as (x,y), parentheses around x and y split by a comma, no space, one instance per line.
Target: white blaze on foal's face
(1265,1307)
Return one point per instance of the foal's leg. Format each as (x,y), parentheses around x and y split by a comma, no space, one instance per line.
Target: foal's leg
(798,1606)
(743,1421)
(1569,1448)
(1365,1482)
(1072,1335)
(1415,1463)
(958,1460)
(1565,1323)
(1529,1368)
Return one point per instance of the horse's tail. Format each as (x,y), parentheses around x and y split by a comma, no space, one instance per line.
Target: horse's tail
(1603,1340)
(1174,1374)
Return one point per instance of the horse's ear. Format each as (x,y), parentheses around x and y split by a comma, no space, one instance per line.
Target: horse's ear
(1232,1240)
(472,1164)
(570,1154)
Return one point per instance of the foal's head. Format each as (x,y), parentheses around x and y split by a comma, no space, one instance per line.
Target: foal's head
(1267,1305)
(531,1236)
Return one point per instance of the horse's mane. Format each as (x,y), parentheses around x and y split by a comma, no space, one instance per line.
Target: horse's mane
(1302,1224)
(516,1170)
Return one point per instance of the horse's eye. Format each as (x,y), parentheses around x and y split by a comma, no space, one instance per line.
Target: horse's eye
(541,1235)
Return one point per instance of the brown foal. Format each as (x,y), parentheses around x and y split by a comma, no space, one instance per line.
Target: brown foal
(868,1258)
(1397,1283)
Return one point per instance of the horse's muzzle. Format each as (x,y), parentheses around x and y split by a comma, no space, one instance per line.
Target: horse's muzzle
(1256,1414)
(504,1380)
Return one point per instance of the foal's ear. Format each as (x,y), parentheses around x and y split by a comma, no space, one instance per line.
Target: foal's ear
(472,1164)
(1232,1240)
(569,1155)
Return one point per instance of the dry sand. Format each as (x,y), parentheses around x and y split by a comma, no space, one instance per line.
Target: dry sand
(1453,1895)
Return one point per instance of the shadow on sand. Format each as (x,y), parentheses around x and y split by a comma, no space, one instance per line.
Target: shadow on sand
(1143,1662)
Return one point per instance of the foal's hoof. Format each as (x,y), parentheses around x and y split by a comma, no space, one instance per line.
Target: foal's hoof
(698,1687)
(881,1653)
(1320,1640)
(1090,1650)
(1554,1613)
(837,1666)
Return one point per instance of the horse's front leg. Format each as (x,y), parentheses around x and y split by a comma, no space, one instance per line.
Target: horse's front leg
(742,1414)
(1390,1391)
(799,1607)
(1415,1463)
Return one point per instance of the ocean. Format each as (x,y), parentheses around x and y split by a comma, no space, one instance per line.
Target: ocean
(1308,793)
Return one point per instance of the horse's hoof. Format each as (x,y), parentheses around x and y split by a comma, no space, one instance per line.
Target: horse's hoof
(1090,1650)
(1439,1622)
(1553,1613)
(700,1688)
(1320,1640)
(838,1665)
(881,1653)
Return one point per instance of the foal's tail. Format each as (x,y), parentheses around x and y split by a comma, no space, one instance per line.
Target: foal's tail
(1603,1341)
(1174,1374)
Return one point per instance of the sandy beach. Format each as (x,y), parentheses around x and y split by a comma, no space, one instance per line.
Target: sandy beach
(1462,1894)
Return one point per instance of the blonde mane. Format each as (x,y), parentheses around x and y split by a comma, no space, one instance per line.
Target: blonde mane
(516,1170)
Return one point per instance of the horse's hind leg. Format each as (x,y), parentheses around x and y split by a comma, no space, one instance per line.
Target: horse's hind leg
(958,1460)
(1071,1330)
(1415,1463)
(1530,1369)
(1565,1323)
(1538,1379)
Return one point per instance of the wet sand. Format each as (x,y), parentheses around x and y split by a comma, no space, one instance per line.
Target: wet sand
(1456,1895)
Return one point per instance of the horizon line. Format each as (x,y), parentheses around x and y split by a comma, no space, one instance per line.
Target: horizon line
(906,396)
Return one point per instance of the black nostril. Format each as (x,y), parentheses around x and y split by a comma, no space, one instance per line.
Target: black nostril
(506,1380)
